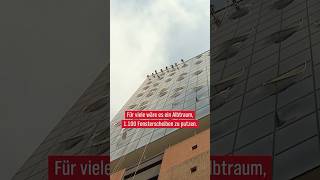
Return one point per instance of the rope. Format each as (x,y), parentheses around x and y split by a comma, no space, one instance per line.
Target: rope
(135,172)
(115,169)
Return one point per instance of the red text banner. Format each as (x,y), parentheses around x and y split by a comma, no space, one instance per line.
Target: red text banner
(159,114)
(241,167)
(160,123)
(78,168)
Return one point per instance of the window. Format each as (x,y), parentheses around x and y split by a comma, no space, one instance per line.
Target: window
(287,79)
(198,62)
(220,99)
(235,40)
(238,13)
(116,154)
(193,169)
(203,111)
(144,103)
(163,89)
(158,134)
(280,4)
(278,121)
(117,124)
(70,143)
(175,94)
(149,94)
(295,110)
(198,72)
(154,89)
(142,107)
(155,84)
(100,147)
(171,74)
(140,94)
(162,93)
(226,54)
(203,95)
(144,140)
(227,82)
(96,105)
(194,147)
(132,106)
(282,35)
(178,89)
(229,48)
(180,78)
(145,87)
(177,105)
(168,80)
(198,88)
(100,135)
(190,102)
(132,146)
(289,74)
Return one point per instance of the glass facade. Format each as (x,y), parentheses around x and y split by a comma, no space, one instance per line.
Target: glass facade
(184,85)
(265,69)
(83,130)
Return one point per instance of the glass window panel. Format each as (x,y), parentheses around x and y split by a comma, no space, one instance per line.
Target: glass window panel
(158,134)
(255,130)
(222,146)
(203,102)
(200,113)
(288,136)
(144,140)
(261,147)
(224,126)
(189,102)
(258,110)
(307,154)
(132,146)
(170,130)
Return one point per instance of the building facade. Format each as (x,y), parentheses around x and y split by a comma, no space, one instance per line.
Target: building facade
(156,153)
(83,130)
(265,66)
(135,153)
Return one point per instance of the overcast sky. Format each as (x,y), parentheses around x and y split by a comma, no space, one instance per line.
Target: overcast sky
(149,35)
(52,50)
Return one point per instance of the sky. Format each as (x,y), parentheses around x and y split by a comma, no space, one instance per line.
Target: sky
(51,51)
(150,34)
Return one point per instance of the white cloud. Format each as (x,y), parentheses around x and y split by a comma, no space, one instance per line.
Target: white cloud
(142,31)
